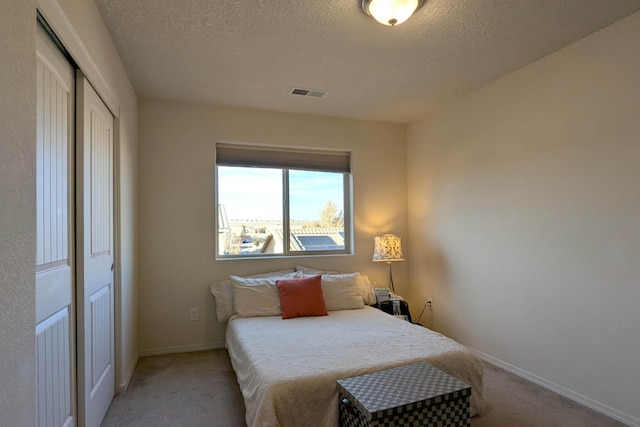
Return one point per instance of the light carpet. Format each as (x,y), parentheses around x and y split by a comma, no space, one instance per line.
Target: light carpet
(199,389)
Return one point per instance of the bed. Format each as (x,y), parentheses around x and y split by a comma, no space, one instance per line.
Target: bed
(287,368)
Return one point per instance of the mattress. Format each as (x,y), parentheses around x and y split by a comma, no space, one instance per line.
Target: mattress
(287,369)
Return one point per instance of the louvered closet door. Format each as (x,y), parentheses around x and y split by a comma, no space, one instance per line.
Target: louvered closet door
(55,320)
(95,289)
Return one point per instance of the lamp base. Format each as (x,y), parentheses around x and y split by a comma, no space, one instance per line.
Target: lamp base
(393,290)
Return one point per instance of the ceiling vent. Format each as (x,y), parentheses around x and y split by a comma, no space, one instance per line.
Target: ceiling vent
(313,93)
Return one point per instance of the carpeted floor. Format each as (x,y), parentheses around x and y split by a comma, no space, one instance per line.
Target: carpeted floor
(199,389)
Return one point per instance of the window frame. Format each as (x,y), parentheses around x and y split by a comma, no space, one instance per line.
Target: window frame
(347,186)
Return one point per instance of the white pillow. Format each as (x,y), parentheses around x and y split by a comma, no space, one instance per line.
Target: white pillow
(257,296)
(366,288)
(341,291)
(223,293)
(313,271)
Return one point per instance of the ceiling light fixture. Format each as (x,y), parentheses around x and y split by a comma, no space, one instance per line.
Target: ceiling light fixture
(391,12)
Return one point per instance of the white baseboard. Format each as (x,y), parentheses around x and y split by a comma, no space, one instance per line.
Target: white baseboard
(122,388)
(180,349)
(563,391)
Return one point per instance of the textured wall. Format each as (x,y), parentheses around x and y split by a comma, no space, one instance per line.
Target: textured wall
(177,210)
(17,212)
(524,210)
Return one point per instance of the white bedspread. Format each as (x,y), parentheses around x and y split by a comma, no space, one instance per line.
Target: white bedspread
(287,369)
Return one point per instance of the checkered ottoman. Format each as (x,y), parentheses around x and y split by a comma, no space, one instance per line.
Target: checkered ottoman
(413,395)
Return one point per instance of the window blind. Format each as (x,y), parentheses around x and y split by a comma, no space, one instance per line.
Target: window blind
(277,157)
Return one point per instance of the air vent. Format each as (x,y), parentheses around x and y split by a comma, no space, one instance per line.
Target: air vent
(313,93)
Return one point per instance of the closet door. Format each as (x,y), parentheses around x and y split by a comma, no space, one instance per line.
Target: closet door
(94,225)
(55,320)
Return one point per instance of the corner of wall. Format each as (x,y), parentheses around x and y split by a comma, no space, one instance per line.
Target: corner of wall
(17,215)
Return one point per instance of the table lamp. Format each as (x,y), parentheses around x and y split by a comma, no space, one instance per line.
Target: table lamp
(388,248)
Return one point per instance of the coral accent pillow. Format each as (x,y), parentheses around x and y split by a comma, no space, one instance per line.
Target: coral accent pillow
(301,297)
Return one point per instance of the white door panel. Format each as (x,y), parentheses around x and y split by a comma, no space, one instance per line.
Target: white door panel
(55,320)
(54,290)
(95,288)
(55,396)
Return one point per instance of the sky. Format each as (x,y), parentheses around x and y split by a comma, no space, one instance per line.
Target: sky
(256,193)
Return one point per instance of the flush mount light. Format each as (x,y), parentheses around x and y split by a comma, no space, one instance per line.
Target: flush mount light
(391,12)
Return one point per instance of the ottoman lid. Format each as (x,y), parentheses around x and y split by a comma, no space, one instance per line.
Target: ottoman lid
(401,386)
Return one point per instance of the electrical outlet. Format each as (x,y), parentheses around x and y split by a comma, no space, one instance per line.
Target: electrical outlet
(194,314)
(430,304)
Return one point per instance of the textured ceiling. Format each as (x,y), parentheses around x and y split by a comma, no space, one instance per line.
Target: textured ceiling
(250,53)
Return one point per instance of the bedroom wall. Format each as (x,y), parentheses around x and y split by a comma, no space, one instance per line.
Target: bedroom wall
(176,173)
(17,212)
(524,210)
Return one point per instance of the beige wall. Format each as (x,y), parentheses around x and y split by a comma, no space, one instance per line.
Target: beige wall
(79,25)
(524,212)
(177,211)
(17,212)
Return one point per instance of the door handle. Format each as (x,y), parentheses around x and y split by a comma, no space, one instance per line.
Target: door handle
(111,266)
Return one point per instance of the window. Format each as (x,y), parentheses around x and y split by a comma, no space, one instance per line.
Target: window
(282,202)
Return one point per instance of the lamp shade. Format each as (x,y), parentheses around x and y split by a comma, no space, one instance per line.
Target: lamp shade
(387,248)
(391,12)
